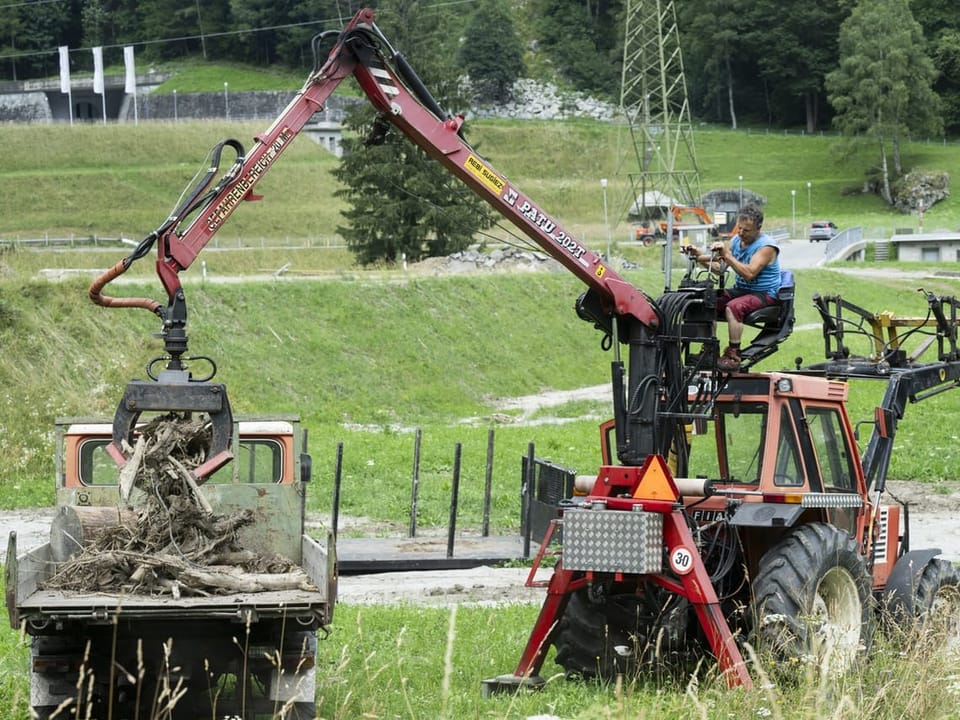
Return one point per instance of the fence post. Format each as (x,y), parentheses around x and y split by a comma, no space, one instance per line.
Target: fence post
(528,499)
(415,484)
(337,475)
(487,484)
(454,495)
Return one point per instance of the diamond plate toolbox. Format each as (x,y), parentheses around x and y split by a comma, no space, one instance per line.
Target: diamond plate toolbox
(613,541)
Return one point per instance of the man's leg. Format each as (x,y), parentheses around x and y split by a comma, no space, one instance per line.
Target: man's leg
(735,311)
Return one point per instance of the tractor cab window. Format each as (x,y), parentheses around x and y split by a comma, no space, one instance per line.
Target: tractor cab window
(741,432)
(259,461)
(833,454)
(787,472)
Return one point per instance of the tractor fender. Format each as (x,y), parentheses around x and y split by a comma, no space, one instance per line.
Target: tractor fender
(901,589)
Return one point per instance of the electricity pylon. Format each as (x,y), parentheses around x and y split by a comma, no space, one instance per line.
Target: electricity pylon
(654,101)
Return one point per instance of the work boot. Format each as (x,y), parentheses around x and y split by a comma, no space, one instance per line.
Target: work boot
(730,360)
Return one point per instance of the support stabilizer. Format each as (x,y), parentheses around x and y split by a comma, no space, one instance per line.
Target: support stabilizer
(510,684)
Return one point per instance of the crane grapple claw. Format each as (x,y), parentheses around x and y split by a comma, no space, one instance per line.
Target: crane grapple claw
(187,397)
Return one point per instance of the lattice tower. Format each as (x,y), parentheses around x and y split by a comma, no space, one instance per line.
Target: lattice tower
(653,99)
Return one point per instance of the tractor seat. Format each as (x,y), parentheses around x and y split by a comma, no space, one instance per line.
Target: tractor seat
(775,322)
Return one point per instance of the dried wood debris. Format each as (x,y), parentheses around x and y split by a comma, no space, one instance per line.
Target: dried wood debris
(177,546)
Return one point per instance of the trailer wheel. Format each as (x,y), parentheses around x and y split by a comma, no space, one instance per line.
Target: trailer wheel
(812,598)
(601,635)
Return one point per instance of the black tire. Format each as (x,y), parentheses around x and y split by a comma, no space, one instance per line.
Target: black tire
(301,711)
(813,598)
(602,635)
(935,604)
(938,590)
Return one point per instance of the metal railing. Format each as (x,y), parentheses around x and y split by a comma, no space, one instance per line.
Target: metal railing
(841,244)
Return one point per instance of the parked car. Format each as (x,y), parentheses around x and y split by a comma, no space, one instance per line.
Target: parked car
(822,230)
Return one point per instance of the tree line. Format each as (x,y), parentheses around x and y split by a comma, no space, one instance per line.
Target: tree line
(747,62)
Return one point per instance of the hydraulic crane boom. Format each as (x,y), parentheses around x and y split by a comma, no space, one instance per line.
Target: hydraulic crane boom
(359,52)
(655,332)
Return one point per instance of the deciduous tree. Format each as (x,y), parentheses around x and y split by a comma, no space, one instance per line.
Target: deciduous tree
(883,87)
(492,59)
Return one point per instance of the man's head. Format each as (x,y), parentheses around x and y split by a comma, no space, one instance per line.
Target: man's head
(753,213)
(749,222)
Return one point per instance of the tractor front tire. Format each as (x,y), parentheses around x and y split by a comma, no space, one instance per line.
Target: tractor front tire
(589,643)
(938,588)
(602,635)
(936,601)
(812,598)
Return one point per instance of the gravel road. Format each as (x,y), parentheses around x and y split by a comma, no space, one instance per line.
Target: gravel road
(934,522)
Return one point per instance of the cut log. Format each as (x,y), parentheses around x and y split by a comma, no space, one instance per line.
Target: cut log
(75,526)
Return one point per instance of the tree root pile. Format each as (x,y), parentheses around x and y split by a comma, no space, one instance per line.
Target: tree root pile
(177,545)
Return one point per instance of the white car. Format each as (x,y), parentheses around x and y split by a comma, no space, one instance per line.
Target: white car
(822,230)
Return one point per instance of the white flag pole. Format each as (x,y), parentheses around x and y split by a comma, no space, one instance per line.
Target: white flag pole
(98,80)
(130,84)
(65,79)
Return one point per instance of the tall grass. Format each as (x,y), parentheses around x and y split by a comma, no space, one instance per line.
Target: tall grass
(422,663)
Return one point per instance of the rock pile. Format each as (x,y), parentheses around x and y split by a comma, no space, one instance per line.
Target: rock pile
(509,259)
(533,100)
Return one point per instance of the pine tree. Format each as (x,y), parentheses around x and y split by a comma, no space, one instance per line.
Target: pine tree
(402,203)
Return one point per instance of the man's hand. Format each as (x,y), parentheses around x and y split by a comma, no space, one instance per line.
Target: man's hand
(720,250)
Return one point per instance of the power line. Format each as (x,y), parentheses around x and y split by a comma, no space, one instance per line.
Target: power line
(336,22)
(143,43)
(26,4)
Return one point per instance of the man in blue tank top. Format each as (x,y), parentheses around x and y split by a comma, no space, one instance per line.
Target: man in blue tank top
(754,257)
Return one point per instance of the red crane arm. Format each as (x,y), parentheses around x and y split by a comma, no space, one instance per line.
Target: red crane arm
(359,52)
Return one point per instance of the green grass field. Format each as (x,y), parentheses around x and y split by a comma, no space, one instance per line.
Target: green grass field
(113,180)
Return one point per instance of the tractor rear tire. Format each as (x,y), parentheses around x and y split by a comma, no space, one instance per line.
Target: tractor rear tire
(813,598)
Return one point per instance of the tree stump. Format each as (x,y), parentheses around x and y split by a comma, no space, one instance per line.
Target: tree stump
(76,526)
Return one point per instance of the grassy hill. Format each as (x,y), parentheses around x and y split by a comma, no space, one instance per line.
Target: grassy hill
(115,180)
(365,360)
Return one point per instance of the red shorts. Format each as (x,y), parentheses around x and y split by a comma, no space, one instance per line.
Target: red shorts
(741,303)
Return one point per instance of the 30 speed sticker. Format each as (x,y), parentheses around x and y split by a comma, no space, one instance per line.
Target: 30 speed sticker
(681,560)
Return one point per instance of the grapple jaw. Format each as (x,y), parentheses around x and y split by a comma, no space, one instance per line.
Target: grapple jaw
(175,392)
